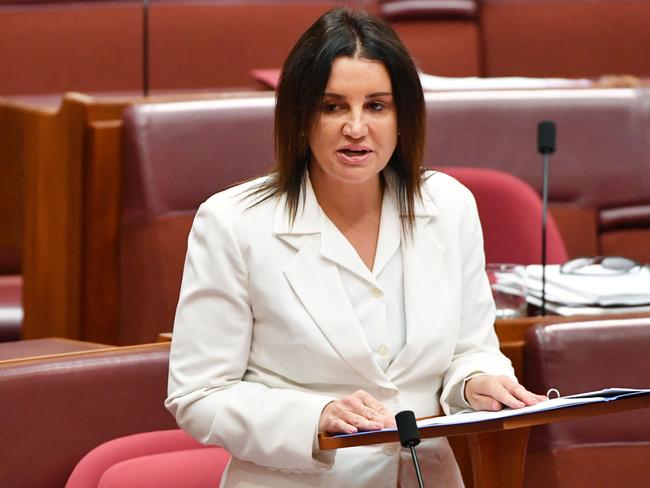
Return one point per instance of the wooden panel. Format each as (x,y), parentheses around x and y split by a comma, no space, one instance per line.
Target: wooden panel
(579,229)
(52,264)
(102,184)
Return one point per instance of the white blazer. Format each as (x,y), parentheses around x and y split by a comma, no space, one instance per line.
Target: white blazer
(265,336)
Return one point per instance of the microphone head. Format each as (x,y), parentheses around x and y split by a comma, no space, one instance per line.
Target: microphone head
(546,137)
(409,436)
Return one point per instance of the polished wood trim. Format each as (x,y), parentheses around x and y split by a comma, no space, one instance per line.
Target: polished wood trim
(101,226)
(90,352)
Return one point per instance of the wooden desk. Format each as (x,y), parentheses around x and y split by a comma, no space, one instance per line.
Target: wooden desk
(497,447)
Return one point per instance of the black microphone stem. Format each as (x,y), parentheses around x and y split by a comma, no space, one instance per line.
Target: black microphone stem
(418,473)
(544,213)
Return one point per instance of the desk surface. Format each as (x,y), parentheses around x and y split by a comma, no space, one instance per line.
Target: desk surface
(327,441)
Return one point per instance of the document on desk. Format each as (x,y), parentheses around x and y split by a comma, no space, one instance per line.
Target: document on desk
(626,289)
(466,417)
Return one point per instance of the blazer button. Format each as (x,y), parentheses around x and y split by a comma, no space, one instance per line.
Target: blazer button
(377,293)
(383,350)
(390,449)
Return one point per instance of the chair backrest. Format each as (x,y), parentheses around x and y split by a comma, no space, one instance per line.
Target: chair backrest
(175,156)
(442,37)
(576,357)
(568,38)
(599,175)
(511,216)
(67,45)
(54,409)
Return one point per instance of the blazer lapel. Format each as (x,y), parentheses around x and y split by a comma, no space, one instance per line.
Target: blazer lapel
(316,281)
(422,258)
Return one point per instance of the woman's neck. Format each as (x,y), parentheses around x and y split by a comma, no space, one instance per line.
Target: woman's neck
(345,203)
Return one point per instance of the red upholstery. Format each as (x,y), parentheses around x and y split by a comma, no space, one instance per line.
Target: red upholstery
(573,357)
(195,44)
(67,45)
(227,39)
(442,36)
(55,409)
(175,156)
(568,38)
(602,161)
(153,459)
(510,213)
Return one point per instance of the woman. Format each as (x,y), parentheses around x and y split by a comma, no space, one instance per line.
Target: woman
(344,287)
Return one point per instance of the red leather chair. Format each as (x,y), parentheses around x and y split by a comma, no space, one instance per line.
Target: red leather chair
(56,408)
(511,217)
(609,450)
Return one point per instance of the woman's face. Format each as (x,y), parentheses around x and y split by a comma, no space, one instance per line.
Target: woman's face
(355,132)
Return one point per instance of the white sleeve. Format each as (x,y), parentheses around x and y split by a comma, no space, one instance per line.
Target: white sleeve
(209,357)
(477,346)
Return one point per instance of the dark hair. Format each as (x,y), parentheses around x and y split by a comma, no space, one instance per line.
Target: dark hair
(305,73)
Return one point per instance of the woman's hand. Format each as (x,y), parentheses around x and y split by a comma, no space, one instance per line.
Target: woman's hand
(355,412)
(487,392)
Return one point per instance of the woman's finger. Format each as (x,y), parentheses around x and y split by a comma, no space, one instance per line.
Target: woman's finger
(485,402)
(360,422)
(482,391)
(379,411)
(335,425)
(522,394)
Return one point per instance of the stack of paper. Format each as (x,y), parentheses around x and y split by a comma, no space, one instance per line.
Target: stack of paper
(595,293)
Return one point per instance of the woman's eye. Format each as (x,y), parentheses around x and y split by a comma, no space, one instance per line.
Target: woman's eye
(376,106)
(330,108)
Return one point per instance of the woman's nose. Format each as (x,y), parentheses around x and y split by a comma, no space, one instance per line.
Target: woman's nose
(355,127)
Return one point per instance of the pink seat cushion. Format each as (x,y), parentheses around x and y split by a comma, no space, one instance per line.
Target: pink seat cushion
(194,468)
(150,459)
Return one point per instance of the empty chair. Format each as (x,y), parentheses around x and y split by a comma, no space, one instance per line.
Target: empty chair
(54,409)
(176,155)
(511,217)
(574,357)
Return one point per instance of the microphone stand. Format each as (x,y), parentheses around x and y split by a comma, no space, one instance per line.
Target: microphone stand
(418,473)
(546,147)
(544,218)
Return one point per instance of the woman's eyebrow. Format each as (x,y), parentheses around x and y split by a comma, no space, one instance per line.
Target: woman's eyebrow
(379,94)
(371,95)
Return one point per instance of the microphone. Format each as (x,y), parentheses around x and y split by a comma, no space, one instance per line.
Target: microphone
(409,436)
(546,147)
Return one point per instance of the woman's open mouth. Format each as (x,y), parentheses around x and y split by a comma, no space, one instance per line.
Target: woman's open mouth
(354,155)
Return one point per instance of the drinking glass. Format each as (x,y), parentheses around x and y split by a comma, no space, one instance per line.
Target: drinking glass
(508,284)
